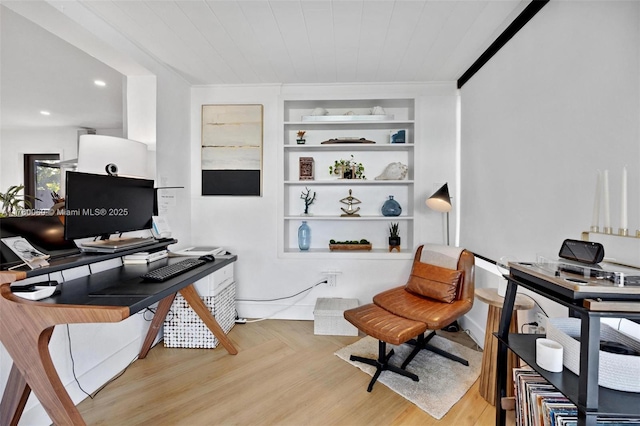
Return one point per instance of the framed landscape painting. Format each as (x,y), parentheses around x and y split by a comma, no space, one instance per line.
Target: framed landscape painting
(231,152)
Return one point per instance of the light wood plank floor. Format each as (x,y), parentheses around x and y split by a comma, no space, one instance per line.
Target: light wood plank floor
(282,375)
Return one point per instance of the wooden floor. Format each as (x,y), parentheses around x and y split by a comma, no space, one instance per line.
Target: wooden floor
(282,375)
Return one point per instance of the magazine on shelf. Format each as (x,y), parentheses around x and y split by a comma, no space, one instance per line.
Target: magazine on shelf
(538,403)
(31,257)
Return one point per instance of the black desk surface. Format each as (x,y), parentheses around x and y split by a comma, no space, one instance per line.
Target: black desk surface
(124,282)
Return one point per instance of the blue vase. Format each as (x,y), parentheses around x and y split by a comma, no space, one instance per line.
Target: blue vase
(391,207)
(304,236)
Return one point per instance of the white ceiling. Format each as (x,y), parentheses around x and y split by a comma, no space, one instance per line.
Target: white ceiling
(39,71)
(306,41)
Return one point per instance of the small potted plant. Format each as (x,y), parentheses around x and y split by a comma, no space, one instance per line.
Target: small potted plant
(347,169)
(300,139)
(394,236)
(308,200)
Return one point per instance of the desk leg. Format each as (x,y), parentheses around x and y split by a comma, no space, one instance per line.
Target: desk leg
(193,299)
(35,361)
(158,320)
(14,399)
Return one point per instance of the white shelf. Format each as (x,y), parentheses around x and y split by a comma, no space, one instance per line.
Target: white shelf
(348,182)
(351,147)
(373,254)
(357,218)
(372,123)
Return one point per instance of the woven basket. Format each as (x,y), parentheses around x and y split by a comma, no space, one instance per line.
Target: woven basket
(619,372)
(183,328)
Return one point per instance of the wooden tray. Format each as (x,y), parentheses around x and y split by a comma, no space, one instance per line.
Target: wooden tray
(347,140)
(334,247)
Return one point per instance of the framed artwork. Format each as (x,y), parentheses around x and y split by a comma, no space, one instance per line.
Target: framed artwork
(231,151)
(306,168)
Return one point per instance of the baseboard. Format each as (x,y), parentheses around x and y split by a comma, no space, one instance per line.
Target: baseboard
(275,310)
(476,331)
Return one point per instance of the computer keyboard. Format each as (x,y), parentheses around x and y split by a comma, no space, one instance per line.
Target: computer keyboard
(170,271)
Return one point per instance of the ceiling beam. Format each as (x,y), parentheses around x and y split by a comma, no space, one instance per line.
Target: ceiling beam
(525,16)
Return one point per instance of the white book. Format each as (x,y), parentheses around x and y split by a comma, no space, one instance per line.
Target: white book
(141,261)
(145,255)
(199,251)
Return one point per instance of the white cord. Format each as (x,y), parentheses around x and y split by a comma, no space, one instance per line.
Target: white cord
(303,292)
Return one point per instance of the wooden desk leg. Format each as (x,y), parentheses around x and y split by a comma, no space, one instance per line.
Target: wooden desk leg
(193,299)
(25,333)
(158,320)
(35,360)
(14,399)
(488,372)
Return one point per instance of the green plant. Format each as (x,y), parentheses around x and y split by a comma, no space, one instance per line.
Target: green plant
(393,230)
(348,169)
(12,201)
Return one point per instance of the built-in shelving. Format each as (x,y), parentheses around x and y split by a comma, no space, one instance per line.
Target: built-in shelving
(325,221)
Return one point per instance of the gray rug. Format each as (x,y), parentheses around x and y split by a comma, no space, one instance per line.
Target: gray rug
(442,381)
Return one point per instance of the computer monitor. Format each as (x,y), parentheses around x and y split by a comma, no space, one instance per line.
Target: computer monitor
(101,205)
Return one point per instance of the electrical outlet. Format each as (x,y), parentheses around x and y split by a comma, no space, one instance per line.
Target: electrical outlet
(331,280)
(332,277)
(541,319)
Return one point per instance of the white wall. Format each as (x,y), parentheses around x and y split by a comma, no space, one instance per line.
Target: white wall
(248,226)
(557,103)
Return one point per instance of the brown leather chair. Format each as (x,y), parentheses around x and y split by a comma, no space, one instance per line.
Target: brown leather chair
(433,297)
(439,305)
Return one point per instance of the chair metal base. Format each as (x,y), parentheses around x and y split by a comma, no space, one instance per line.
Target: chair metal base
(382,363)
(423,343)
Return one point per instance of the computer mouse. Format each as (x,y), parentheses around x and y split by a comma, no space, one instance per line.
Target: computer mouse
(207,258)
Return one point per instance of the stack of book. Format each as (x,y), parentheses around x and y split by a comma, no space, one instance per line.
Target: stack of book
(538,403)
(143,257)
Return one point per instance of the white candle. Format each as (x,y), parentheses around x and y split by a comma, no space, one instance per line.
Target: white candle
(596,201)
(623,204)
(605,190)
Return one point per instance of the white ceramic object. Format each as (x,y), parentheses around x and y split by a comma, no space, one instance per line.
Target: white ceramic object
(319,111)
(394,171)
(549,355)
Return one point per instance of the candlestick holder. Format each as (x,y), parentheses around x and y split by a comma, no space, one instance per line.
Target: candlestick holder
(595,228)
(623,232)
(608,230)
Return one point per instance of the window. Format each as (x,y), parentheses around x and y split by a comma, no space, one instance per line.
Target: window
(41,179)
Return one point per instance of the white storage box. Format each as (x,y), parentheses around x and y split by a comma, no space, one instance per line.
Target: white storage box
(183,328)
(329,317)
(617,371)
(215,282)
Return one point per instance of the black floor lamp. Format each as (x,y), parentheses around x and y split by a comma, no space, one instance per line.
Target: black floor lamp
(441,202)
